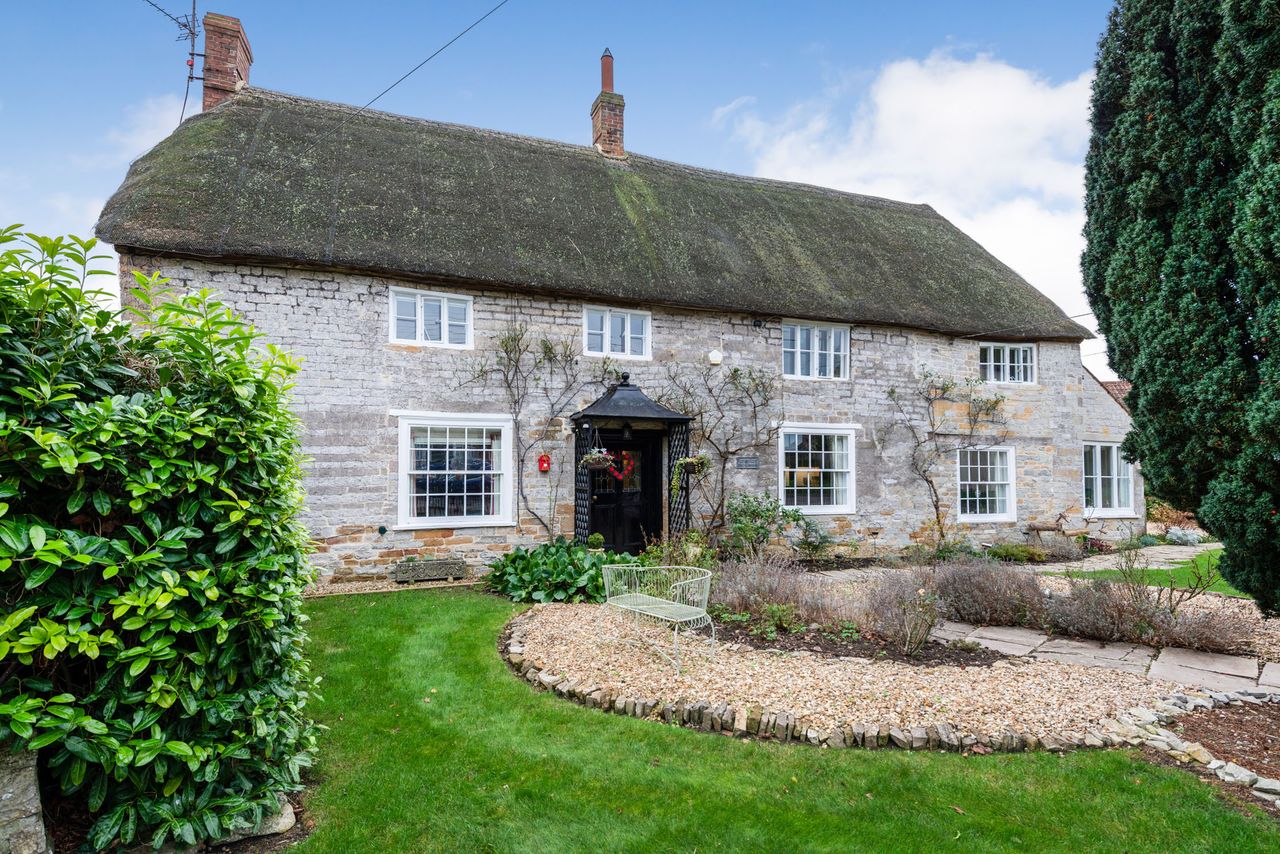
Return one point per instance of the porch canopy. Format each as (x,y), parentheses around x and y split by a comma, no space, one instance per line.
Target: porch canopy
(626,403)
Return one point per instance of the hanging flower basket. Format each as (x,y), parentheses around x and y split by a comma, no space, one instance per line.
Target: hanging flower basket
(597,459)
(694,466)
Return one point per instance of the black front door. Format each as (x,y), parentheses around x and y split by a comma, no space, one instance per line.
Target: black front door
(626,501)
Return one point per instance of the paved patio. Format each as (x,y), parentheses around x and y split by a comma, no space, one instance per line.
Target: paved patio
(1209,670)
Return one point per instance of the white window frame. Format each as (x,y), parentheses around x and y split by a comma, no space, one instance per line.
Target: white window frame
(410,419)
(421,297)
(843,358)
(1011,514)
(628,313)
(1007,347)
(812,428)
(1119,512)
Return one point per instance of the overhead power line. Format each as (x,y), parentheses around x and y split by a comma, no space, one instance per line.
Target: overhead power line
(477,22)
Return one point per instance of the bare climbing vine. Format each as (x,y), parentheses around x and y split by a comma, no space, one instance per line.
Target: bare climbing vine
(941,417)
(542,379)
(732,411)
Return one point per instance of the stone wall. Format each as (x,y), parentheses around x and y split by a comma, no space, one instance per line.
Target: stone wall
(22,829)
(352,380)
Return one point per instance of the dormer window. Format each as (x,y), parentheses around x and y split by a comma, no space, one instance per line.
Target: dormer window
(1007,363)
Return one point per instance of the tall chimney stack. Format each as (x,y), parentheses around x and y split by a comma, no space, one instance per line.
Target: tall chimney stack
(606,113)
(226,58)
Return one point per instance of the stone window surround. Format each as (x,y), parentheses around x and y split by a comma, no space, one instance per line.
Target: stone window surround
(811,427)
(410,418)
(1032,349)
(843,356)
(1122,512)
(393,292)
(647,356)
(1011,515)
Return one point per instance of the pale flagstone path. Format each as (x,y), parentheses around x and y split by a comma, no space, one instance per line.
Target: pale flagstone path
(1156,557)
(1209,670)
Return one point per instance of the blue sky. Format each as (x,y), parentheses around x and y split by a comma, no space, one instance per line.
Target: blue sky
(977,108)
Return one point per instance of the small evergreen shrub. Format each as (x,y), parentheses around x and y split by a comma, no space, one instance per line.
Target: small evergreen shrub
(953,550)
(1017,553)
(559,571)
(754,520)
(151,561)
(814,543)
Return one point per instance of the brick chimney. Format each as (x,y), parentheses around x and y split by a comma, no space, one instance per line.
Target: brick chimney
(226,58)
(606,113)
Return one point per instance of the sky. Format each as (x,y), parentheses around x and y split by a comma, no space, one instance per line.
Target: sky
(979,109)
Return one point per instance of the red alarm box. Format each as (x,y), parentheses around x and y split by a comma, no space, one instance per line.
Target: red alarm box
(544,462)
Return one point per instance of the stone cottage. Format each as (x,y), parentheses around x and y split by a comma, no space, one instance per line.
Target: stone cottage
(481,313)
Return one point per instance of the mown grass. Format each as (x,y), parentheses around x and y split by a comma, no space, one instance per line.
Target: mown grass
(488,764)
(1181,574)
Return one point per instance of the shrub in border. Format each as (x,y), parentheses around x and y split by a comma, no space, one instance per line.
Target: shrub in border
(559,571)
(151,561)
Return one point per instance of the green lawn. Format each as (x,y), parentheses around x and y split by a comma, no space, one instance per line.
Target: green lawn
(1181,574)
(491,765)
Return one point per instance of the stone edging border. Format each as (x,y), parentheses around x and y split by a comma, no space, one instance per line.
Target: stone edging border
(1138,727)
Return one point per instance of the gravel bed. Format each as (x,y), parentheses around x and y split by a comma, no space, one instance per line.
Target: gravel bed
(601,646)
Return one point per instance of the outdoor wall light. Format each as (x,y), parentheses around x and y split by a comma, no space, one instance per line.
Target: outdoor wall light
(715,357)
(626,431)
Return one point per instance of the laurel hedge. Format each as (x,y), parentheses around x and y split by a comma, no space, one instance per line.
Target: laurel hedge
(151,559)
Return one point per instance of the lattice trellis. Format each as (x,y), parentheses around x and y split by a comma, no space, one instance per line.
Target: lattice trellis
(581,485)
(678,512)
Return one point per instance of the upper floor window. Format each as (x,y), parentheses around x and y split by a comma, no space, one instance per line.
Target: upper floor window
(986,485)
(815,351)
(1007,363)
(817,469)
(438,320)
(615,332)
(1108,481)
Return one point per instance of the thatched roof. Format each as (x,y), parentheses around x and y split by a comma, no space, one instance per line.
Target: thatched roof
(274,178)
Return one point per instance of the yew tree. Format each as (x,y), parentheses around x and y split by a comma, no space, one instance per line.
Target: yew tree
(1182,263)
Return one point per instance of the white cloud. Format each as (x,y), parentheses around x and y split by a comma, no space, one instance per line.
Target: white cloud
(719,114)
(68,201)
(145,123)
(995,148)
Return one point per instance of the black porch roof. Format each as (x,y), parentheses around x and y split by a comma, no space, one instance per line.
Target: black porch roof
(627,402)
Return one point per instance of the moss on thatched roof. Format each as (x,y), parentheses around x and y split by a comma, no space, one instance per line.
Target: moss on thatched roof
(275,178)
